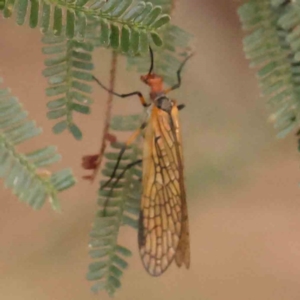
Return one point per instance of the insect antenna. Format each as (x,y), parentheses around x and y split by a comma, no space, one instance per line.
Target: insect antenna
(152,61)
(178,84)
(136,93)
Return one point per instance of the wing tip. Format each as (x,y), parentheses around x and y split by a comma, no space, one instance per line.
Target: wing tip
(182,261)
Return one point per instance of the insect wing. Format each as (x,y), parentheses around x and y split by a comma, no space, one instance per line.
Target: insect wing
(182,255)
(163,228)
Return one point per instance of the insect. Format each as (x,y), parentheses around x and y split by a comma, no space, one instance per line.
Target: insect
(163,234)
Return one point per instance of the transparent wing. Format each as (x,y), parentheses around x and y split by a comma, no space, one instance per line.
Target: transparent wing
(163,228)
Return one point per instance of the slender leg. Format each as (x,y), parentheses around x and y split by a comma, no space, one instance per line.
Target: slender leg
(177,85)
(131,139)
(129,166)
(180,106)
(139,94)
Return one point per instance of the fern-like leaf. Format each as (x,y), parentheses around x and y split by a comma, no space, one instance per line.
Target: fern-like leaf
(272,46)
(68,72)
(25,174)
(119,205)
(125,24)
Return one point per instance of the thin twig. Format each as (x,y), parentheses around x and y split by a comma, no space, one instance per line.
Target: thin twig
(106,136)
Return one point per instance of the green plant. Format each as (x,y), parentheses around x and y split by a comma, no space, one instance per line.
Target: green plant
(69,75)
(119,205)
(273,47)
(25,173)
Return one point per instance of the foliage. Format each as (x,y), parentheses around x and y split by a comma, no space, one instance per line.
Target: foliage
(119,205)
(273,47)
(25,173)
(128,26)
(122,23)
(69,76)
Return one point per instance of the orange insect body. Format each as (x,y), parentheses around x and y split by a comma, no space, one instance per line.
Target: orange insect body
(163,225)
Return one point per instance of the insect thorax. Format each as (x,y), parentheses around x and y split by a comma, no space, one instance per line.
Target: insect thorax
(163,102)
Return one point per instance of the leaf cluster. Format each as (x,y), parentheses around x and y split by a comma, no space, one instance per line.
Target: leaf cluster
(68,70)
(129,25)
(26,174)
(118,205)
(272,46)
(71,30)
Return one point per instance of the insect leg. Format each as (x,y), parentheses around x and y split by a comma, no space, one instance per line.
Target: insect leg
(129,166)
(131,139)
(180,106)
(177,85)
(139,94)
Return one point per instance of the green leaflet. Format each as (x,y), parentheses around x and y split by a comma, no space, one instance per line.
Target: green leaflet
(166,5)
(25,174)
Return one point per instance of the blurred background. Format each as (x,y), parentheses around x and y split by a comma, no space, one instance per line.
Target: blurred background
(242,183)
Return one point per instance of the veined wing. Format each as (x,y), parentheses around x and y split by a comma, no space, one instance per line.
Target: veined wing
(163,228)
